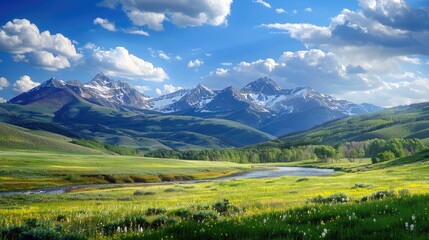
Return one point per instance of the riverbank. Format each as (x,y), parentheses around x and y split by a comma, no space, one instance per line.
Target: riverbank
(258,172)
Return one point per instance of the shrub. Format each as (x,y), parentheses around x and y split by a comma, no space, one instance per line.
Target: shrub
(224,208)
(362,185)
(205,215)
(386,156)
(34,229)
(142,193)
(378,195)
(173,190)
(334,198)
(155,211)
(182,213)
(162,220)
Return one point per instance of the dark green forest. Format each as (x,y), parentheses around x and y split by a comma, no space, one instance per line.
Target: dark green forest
(351,150)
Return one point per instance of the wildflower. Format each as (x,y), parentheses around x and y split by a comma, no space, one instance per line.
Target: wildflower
(413,217)
(202,230)
(406,225)
(350,218)
(323,234)
(265,220)
(411,227)
(375,220)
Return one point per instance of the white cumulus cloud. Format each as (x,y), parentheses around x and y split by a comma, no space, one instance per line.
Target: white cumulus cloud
(375,44)
(2,100)
(381,28)
(24,84)
(3,83)
(195,63)
(280,10)
(119,62)
(167,88)
(308,10)
(182,13)
(398,90)
(142,89)
(24,39)
(105,23)
(315,68)
(164,55)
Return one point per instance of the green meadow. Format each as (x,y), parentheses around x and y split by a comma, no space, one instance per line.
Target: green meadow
(23,170)
(362,200)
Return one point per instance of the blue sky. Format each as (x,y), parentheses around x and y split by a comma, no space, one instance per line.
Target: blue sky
(372,51)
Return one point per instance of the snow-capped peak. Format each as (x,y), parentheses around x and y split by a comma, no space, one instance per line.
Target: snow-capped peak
(264,86)
(101,79)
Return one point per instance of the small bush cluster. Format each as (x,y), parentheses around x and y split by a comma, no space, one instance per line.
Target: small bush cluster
(155,211)
(143,193)
(225,208)
(335,198)
(205,215)
(362,185)
(38,230)
(379,195)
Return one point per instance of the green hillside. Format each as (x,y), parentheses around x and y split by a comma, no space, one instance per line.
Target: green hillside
(400,122)
(13,137)
(136,130)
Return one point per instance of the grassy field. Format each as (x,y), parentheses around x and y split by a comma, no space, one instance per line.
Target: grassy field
(399,122)
(20,170)
(14,137)
(276,208)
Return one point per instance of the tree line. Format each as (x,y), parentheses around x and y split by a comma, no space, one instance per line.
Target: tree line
(377,149)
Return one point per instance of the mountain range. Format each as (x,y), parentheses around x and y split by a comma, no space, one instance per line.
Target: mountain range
(261,104)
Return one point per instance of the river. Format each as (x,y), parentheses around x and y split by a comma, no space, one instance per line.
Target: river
(262,172)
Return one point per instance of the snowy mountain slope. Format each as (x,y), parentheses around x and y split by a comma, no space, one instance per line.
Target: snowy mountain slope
(261,104)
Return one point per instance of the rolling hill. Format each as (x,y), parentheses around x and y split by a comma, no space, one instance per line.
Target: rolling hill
(410,121)
(13,137)
(81,119)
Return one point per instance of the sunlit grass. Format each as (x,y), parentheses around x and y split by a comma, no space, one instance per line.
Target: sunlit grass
(53,169)
(87,210)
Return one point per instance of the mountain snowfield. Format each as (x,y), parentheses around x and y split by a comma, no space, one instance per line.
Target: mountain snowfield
(262,104)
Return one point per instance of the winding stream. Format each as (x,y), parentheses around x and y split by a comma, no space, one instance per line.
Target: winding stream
(262,172)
